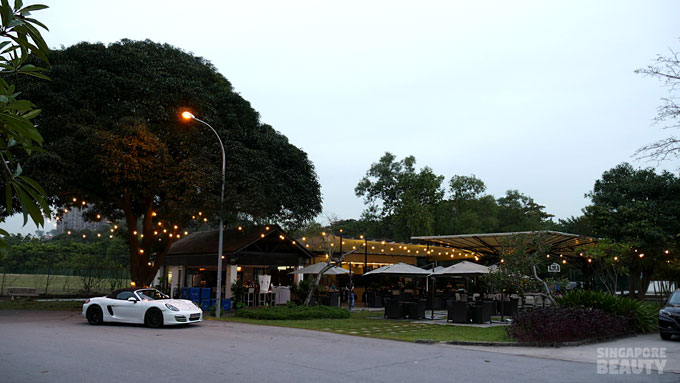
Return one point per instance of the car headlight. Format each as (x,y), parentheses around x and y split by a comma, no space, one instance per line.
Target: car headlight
(664,312)
(171,307)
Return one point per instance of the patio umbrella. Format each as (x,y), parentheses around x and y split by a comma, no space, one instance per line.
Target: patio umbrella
(400,269)
(462,269)
(317,267)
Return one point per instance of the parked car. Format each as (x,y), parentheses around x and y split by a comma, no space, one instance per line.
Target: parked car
(669,317)
(144,306)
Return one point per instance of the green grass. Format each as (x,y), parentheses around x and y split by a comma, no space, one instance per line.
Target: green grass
(58,284)
(41,305)
(372,325)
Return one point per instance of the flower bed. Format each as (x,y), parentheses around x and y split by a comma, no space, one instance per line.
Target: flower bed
(552,325)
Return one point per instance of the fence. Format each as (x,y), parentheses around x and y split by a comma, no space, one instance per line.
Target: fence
(65,282)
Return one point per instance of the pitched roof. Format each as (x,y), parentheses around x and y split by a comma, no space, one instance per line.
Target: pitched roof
(234,240)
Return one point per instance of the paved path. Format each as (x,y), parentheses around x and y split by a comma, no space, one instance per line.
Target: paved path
(62,347)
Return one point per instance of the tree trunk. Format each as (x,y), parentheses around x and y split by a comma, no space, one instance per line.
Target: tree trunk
(316,283)
(547,289)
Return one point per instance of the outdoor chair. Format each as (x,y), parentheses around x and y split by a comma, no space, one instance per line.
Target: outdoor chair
(481,313)
(510,307)
(393,309)
(249,297)
(416,309)
(457,312)
(370,299)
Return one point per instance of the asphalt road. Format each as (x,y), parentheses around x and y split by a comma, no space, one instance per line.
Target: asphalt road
(62,347)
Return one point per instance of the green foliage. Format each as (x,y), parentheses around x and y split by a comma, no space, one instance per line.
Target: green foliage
(402,202)
(395,191)
(639,207)
(123,147)
(20,39)
(643,315)
(293,312)
(238,288)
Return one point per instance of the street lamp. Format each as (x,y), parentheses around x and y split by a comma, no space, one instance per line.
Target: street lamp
(218,304)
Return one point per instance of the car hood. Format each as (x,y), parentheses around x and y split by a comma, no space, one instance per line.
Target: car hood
(673,309)
(181,304)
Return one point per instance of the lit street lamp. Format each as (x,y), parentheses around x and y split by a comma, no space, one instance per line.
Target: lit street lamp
(218,303)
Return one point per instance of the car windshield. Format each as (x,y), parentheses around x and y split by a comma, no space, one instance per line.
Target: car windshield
(151,295)
(675,299)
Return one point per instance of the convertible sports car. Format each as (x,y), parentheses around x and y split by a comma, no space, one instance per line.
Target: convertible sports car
(134,305)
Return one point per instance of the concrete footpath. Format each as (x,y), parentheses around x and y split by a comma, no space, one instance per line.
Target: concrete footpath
(591,353)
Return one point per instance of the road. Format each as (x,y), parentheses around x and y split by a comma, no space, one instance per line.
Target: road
(62,347)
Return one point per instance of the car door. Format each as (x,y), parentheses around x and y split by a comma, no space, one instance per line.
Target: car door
(125,310)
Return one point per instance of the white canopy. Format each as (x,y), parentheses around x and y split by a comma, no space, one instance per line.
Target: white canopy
(317,267)
(400,269)
(463,268)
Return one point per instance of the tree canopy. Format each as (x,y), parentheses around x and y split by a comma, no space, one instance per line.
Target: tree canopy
(114,142)
(403,202)
(639,207)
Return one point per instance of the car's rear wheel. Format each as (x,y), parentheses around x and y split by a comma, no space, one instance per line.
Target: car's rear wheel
(94,315)
(666,336)
(153,318)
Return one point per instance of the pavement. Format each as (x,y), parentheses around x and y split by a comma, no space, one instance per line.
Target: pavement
(42,346)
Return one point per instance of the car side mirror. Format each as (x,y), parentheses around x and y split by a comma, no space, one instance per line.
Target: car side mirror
(132,299)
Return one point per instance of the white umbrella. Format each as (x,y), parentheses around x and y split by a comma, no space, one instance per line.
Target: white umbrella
(317,267)
(400,269)
(464,268)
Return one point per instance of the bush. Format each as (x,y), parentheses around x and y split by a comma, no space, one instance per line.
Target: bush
(551,325)
(643,315)
(293,312)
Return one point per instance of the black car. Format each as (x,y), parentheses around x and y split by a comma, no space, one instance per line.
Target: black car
(669,317)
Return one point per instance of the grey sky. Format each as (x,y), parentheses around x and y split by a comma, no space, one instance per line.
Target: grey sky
(538,96)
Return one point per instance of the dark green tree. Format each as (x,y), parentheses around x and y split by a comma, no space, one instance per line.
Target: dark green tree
(518,212)
(396,193)
(639,207)
(114,141)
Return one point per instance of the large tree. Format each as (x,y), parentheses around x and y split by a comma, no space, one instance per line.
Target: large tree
(115,143)
(395,192)
(642,208)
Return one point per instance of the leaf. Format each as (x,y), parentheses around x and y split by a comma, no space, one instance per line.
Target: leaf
(36,22)
(18,4)
(31,8)
(5,13)
(19,170)
(8,198)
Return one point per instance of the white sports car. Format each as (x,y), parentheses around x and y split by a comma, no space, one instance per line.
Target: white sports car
(134,305)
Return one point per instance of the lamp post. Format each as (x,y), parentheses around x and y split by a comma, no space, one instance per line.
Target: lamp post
(218,303)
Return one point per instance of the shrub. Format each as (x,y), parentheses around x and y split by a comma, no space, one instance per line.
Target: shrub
(567,325)
(643,315)
(293,312)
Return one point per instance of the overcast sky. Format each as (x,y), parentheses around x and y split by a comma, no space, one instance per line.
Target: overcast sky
(538,96)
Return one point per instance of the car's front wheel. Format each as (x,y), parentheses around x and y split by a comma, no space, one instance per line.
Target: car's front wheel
(153,318)
(666,336)
(94,315)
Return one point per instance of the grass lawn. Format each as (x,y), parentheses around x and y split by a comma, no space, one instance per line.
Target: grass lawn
(42,305)
(59,284)
(363,323)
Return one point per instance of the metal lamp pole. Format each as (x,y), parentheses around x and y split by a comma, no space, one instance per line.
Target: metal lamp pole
(218,303)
